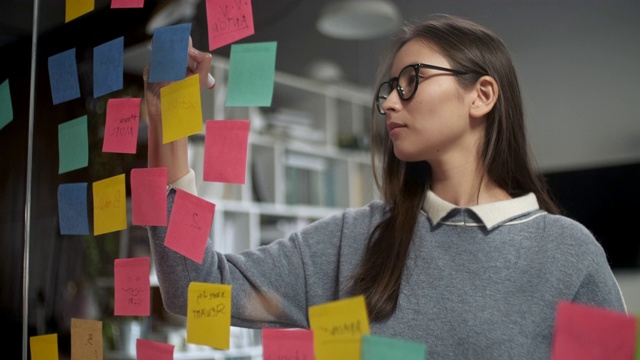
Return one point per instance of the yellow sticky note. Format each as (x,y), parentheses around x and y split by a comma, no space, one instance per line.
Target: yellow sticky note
(109,205)
(181,109)
(44,347)
(209,314)
(77,8)
(338,327)
(86,339)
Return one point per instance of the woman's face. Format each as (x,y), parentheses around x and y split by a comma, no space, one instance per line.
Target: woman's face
(434,125)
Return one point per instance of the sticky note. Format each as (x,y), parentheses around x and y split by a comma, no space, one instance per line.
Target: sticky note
(72,209)
(252,71)
(228,21)
(153,350)
(109,205)
(189,225)
(121,126)
(149,196)
(6,108)
(169,53)
(287,344)
(181,109)
(73,145)
(63,76)
(44,347)
(86,339)
(209,314)
(225,151)
(382,348)
(132,289)
(637,338)
(338,327)
(123,4)
(77,8)
(588,333)
(108,67)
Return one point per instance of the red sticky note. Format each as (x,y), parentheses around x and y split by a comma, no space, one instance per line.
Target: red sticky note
(228,21)
(592,333)
(189,225)
(121,126)
(122,4)
(149,196)
(132,289)
(287,344)
(225,151)
(153,350)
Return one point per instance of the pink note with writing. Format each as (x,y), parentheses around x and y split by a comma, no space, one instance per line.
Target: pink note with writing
(121,126)
(592,333)
(149,196)
(228,21)
(132,289)
(287,344)
(122,4)
(225,151)
(153,350)
(189,225)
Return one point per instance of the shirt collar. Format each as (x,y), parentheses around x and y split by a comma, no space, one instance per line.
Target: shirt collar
(491,214)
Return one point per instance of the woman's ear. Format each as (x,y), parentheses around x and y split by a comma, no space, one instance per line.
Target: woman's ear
(486,94)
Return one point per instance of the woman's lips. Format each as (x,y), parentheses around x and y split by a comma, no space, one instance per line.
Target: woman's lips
(393,127)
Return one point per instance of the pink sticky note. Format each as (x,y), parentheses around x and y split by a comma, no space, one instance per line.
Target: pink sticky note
(121,126)
(591,333)
(153,350)
(189,225)
(132,289)
(149,196)
(228,21)
(121,4)
(287,344)
(225,151)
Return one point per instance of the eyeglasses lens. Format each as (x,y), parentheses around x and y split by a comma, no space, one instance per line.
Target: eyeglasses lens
(407,82)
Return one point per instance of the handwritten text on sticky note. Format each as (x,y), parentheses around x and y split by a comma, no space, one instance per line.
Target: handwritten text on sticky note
(132,288)
(189,225)
(228,21)
(109,205)
(86,339)
(121,126)
(181,109)
(209,314)
(287,344)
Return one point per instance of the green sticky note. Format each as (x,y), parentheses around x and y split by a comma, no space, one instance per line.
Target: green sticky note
(73,145)
(252,70)
(381,348)
(6,109)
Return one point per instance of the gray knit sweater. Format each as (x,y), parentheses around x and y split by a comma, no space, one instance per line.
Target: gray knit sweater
(480,282)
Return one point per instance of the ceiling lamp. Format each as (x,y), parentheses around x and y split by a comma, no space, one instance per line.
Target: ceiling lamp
(359,19)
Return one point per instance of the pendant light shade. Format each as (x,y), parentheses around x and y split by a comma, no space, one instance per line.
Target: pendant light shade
(359,19)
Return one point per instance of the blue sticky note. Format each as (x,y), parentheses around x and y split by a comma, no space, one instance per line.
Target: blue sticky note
(6,109)
(381,348)
(108,67)
(63,76)
(169,53)
(252,70)
(72,209)
(73,145)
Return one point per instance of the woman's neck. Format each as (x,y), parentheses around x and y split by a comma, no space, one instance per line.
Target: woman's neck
(466,186)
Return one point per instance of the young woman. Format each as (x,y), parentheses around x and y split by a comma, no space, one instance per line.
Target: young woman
(466,252)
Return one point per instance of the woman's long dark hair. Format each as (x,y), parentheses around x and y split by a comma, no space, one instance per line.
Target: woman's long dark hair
(505,154)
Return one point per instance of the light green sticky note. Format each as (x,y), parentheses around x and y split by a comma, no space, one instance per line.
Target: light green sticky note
(252,71)
(73,145)
(382,348)
(6,109)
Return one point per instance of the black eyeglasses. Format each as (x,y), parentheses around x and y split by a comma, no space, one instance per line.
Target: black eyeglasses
(406,83)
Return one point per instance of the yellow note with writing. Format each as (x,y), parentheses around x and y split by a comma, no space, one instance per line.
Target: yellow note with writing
(86,339)
(181,109)
(109,205)
(44,347)
(209,314)
(77,8)
(338,327)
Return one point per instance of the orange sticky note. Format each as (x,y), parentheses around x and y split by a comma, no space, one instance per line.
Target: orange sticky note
(149,196)
(225,151)
(209,314)
(132,289)
(121,126)
(153,350)
(44,347)
(181,109)
(86,339)
(189,225)
(287,344)
(587,332)
(109,205)
(228,21)
(338,327)
(77,8)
